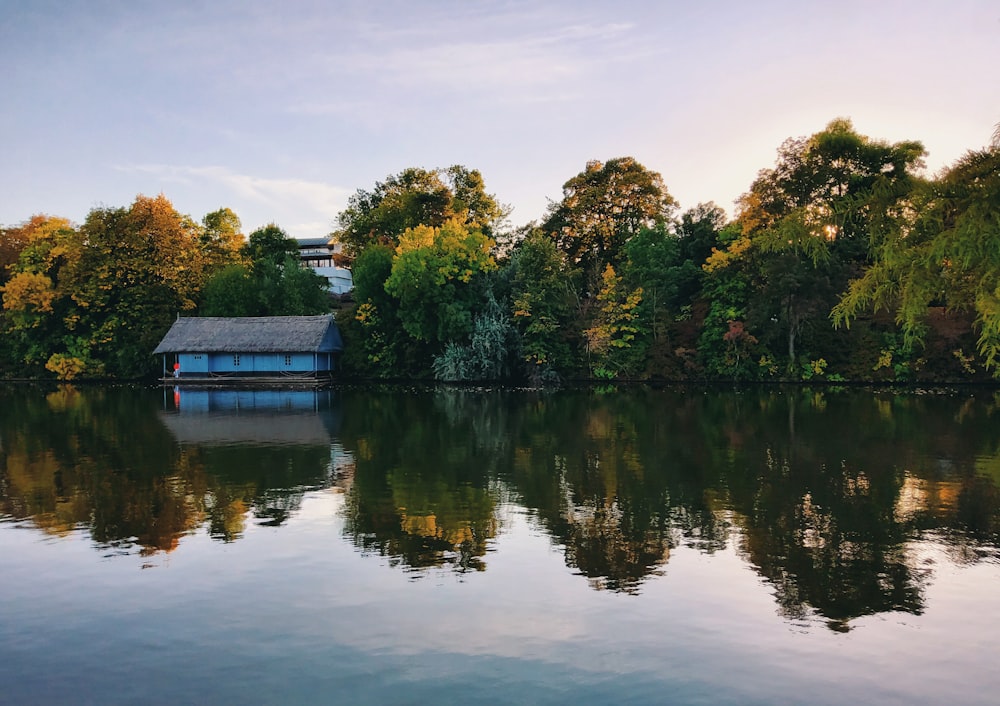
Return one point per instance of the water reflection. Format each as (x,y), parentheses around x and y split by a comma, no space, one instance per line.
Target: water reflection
(424,492)
(828,495)
(135,472)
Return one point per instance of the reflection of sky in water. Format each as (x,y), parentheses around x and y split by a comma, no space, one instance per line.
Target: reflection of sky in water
(304,583)
(300,603)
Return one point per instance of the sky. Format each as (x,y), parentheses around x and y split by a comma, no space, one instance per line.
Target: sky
(282,110)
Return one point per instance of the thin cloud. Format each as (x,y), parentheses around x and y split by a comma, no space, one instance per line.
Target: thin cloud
(320,195)
(530,61)
(313,204)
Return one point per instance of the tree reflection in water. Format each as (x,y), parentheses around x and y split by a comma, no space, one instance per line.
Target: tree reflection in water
(424,493)
(827,493)
(110,461)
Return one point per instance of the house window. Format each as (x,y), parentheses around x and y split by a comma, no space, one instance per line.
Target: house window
(236,360)
(288,360)
(197,357)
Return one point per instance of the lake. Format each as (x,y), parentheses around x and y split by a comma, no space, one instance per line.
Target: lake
(396,545)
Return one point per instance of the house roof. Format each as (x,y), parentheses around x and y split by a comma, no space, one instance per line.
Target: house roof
(252,334)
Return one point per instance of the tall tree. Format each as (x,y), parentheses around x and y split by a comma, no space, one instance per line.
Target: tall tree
(270,244)
(33,306)
(96,301)
(543,301)
(811,222)
(417,197)
(222,236)
(943,250)
(602,208)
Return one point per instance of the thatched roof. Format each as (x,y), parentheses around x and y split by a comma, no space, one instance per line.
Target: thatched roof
(252,334)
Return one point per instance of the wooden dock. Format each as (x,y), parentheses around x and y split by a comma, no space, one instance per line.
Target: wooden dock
(271,381)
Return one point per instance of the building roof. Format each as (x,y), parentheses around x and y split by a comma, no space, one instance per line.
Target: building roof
(314,242)
(252,334)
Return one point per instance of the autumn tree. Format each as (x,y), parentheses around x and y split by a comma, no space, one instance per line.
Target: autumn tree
(138,268)
(612,340)
(417,197)
(13,240)
(33,307)
(97,300)
(602,208)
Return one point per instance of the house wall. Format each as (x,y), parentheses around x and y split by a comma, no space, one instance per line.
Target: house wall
(193,363)
(253,363)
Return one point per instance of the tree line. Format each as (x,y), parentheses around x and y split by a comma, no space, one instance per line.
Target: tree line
(844,261)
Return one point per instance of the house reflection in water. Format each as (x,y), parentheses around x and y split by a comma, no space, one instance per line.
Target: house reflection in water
(260,449)
(201,416)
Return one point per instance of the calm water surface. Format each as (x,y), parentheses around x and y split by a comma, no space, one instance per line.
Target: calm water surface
(404,546)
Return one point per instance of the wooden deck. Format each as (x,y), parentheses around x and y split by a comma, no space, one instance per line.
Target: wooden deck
(293,381)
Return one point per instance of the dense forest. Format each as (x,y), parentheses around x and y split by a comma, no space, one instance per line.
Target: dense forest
(844,261)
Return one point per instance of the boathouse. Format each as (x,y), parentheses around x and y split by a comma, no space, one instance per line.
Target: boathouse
(251,348)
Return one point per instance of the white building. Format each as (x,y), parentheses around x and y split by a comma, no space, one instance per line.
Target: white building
(319,254)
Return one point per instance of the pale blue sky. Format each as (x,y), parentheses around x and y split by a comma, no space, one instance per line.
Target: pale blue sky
(283,110)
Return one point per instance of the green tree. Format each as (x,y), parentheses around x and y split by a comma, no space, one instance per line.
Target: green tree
(487,355)
(811,222)
(944,249)
(417,197)
(698,233)
(544,304)
(379,333)
(222,236)
(432,276)
(270,243)
(602,208)
(271,283)
(654,264)
(230,292)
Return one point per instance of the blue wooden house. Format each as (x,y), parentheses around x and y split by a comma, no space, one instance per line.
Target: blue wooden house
(251,348)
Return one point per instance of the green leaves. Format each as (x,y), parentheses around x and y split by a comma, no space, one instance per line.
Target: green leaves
(949,253)
(417,197)
(602,208)
(430,277)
